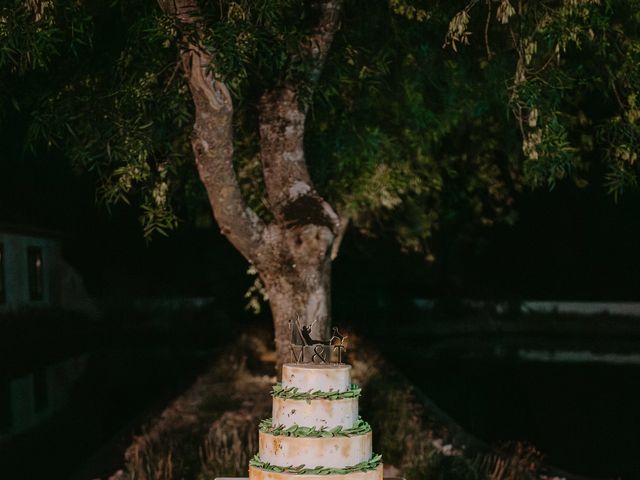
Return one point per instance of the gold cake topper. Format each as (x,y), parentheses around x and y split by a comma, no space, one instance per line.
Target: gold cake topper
(306,349)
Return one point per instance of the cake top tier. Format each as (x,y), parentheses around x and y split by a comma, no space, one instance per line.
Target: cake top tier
(326,377)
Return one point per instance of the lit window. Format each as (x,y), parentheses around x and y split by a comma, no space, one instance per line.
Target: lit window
(36,276)
(5,405)
(3,288)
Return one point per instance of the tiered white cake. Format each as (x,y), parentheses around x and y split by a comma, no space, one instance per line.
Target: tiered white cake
(315,432)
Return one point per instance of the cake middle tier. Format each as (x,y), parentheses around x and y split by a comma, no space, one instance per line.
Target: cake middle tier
(334,377)
(316,413)
(335,452)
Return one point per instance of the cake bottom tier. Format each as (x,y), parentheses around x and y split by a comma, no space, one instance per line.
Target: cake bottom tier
(260,474)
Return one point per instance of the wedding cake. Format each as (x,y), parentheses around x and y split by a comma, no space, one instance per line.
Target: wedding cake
(315,432)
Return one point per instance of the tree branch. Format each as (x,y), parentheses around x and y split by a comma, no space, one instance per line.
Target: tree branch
(293,198)
(342,230)
(212,138)
(321,38)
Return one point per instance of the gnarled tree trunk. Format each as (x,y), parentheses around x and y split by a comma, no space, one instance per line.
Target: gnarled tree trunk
(297,274)
(292,253)
(304,293)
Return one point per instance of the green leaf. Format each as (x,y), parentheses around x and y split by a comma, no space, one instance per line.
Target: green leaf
(293,393)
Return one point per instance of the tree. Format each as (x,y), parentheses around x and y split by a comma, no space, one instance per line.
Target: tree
(395,131)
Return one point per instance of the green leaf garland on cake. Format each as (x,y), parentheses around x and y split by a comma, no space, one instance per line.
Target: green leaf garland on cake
(293,393)
(303,470)
(360,428)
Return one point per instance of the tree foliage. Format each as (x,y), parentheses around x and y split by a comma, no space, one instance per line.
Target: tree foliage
(425,109)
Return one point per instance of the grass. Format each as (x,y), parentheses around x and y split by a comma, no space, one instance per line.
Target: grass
(211,430)
(229,445)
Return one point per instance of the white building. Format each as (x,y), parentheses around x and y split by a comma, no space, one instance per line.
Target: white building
(33,272)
